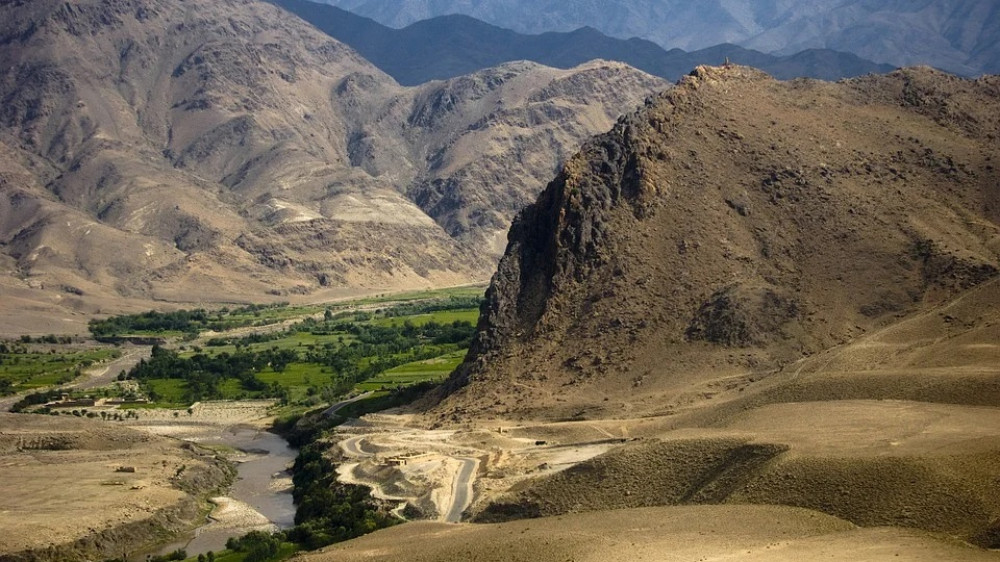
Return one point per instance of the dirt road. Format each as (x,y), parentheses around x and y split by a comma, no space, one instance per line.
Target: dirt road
(105,374)
(461,495)
(334,408)
(352,447)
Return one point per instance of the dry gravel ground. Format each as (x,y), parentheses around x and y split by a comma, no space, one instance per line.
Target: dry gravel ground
(206,419)
(60,490)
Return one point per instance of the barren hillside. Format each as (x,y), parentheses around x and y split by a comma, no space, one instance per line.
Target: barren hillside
(771,534)
(733,226)
(227,151)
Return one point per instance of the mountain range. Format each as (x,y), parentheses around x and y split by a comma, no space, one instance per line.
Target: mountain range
(228,151)
(448,46)
(961,36)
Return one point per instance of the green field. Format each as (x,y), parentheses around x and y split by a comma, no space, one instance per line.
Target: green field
(470,315)
(299,378)
(385,342)
(428,370)
(32,369)
(169,392)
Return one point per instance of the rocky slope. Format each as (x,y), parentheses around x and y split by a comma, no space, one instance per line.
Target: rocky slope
(447,46)
(731,227)
(957,35)
(225,151)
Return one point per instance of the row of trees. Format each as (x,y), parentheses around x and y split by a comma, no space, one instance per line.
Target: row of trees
(426,307)
(328,511)
(204,374)
(187,321)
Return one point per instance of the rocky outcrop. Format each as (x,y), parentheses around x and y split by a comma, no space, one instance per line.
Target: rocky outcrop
(732,225)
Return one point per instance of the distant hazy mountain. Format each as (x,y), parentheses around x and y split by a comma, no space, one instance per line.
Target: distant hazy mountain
(448,46)
(957,35)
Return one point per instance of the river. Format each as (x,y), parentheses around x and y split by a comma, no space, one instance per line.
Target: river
(260,498)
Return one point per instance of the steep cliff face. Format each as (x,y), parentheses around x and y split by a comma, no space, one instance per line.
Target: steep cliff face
(494,138)
(732,226)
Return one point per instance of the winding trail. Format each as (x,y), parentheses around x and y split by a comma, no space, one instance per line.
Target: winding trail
(352,447)
(105,374)
(459,480)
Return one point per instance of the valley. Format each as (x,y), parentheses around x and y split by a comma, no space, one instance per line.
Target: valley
(690,331)
(233,431)
(244,314)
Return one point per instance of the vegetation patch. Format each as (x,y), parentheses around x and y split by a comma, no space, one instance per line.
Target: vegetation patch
(26,367)
(317,360)
(195,321)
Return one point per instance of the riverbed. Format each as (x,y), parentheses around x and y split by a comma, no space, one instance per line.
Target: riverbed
(260,497)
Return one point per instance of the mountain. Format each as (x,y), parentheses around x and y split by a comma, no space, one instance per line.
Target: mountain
(228,151)
(731,227)
(447,46)
(748,295)
(962,36)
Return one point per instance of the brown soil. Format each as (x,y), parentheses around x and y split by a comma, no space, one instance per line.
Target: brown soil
(65,495)
(776,534)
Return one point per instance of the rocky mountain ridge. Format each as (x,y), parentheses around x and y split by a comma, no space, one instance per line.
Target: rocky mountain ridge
(733,226)
(227,151)
(961,36)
